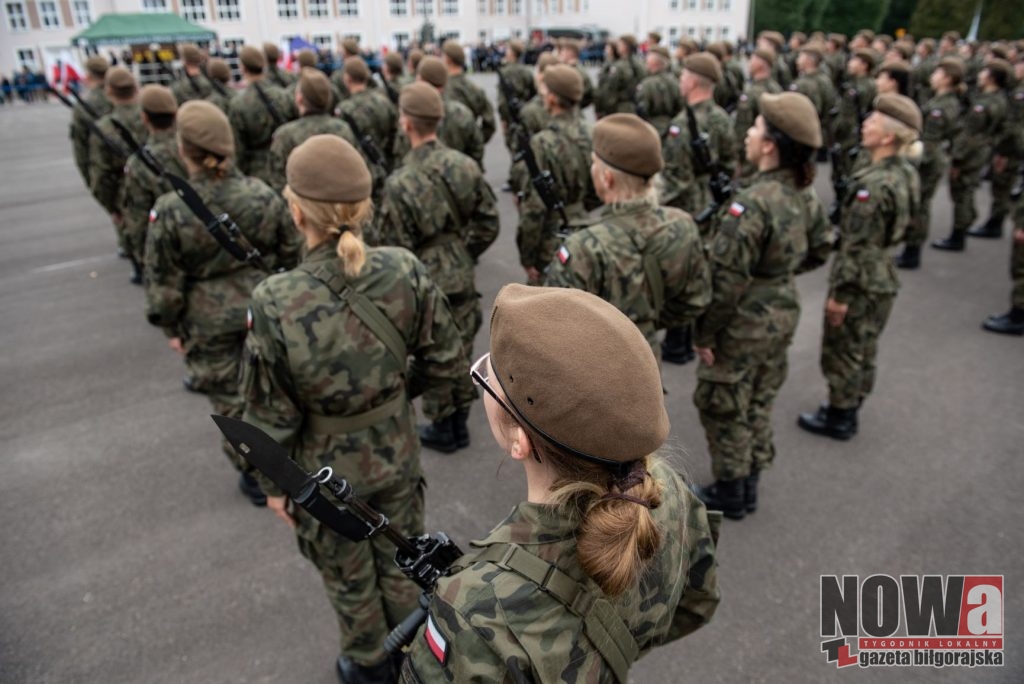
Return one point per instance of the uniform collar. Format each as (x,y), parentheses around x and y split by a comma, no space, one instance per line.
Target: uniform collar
(325,251)
(424,150)
(630,206)
(532,524)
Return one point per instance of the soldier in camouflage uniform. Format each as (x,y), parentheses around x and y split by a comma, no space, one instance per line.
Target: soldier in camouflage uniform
(312,98)
(340,393)
(815,84)
(282,79)
(773,40)
(461,89)
(646,260)
(657,97)
(773,230)
(196,292)
(219,71)
(863,282)
(563,148)
(106,166)
(142,187)
(254,114)
(371,110)
(941,125)
(1012,322)
(439,206)
(747,108)
(728,89)
(192,85)
(613,528)
(855,99)
(349,49)
(569,53)
(616,89)
(920,76)
(533,118)
(982,131)
(835,59)
(1007,152)
(393,75)
(518,78)
(95,71)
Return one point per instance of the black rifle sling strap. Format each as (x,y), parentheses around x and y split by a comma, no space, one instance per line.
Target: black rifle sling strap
(604,628)
(271,109)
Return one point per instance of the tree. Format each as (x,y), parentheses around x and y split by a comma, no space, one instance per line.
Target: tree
(813,14)
(843,16)
(1001,19)
(900,12)
(784,16)
(935,17)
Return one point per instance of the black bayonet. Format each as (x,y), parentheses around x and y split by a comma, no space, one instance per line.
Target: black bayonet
(85,105)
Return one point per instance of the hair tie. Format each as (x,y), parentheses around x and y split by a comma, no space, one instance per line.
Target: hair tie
(626,497)
(636,476)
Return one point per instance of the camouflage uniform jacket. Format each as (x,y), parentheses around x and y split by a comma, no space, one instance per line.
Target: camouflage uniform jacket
(982,130)
(727,91)
(294,133)
(194,288)
(941,126)
(519,78)
(684,187)
(497,626)
(920,78)
(876,211)
(447,228)
(106,172)
(563,148)
(748,109)
(658,100)
(1015,123)
(588,86)
(461,89)
(458,130)
(533,118)
(254,127)
(142,187)
(80,131)
(617,87)
(376,117)
(772,231)
(856,100)
(781,72)
(836,62)
(195,88)
(607,259)
(223,102)
(810,85)
(282,79)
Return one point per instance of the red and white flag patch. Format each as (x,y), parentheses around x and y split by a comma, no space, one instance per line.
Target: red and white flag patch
(152,215)
(736,209)
(979,108)
(673,131)
(563,255)
(863,195)
(435,641)
(248,319)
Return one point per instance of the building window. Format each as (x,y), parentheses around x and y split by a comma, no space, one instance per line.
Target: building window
(673,37)
(400,39)
(516,8)
(709,32)
(26,56)
(323,41)
(82,12)
(724,33)
(16,16)
(726,5)
(399,8)
(450,7)
(49,15)
(348,8)
(231,44)
(709,4)
(499,7)
(691,4)
(673,5)
(540,7)
(424,8)
(287,9)
(481,7)
(154,5)
(193,10)
(318,9)
(691,32)
(450,35)
(228,10)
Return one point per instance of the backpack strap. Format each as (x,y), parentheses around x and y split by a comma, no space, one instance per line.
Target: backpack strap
(602,625)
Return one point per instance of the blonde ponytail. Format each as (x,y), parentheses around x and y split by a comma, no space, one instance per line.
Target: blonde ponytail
(213,164)
(344,220)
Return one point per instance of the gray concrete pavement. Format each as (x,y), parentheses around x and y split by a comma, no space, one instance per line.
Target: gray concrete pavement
(128,555)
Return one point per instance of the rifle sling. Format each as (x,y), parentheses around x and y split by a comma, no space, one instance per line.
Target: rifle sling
(271,109)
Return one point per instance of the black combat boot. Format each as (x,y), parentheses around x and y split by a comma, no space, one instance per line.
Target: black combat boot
(460,429)
(1010,323)
(725,496)
(954,243)
(351,672)
(832,422)
(251,488)
(136,278)
(750,490)
(993,228)
(910,258)
(678,346)
(439,435)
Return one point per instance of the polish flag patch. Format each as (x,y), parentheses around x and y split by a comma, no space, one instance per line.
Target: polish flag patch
(248,319)
(979,108)
(673,131)
(437,644)
(937,113)
(152,215)
(736,209)
(563,255)
(863,195)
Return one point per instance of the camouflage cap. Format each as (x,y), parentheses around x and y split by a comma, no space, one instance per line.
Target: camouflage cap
(393,60)
(252,59)
(315,89)
(156,99)
(272,53)
(326,168)
(793,114)
(901,108)
(905,50)
(551,352)
(204,125)
(350,46)
(799,36)
(191,55)
(628,143)
(545,60)
(837,38)
(564,81)
(356,69)
(97,66)
(868,56)
(219,69)
(121,80)
(704,64)
(454,52)
(952,36)
(421,100)
(306,58)
(433,71)
(953,67)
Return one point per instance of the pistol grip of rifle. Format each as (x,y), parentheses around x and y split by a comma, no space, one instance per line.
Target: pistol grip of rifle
(403,634)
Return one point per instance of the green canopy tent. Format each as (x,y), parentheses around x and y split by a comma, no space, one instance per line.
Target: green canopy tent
(141,29)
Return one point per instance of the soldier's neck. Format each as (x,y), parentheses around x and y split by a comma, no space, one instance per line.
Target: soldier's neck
(695,97)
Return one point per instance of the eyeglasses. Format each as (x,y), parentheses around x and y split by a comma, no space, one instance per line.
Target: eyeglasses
(481,377)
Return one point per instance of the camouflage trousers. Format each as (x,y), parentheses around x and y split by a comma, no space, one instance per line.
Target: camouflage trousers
(1017,274)
(214,367)
(848,352)
(931,175)
(734,398)
(441,402)
(961,191)
(370,595)
(1002,186)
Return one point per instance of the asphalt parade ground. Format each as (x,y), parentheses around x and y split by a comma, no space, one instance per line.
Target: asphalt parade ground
(127,554)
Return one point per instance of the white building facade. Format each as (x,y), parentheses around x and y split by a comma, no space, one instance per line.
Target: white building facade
(37,32)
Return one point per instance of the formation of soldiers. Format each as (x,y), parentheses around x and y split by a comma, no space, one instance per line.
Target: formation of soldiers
(702,172)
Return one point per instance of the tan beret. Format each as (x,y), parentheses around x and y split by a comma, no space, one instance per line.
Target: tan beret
(393,60)
(545,60)
(157,99)
(97,66)
(252,59)
(315,89)
(869,57)
(551,354)
(454,52)
(351,46)
(327,168)
(516,46)
(901,108)
(704,64)
(953,36)
(793,114)
(219,69)
(191,55)
(654,37)
(765,54)
(433,71)
(895,67)
(837,38)
(628,143)
(120,78)
(774,37)
(356,69)
(799,36)
(204,125)
(953,67)
(814,51)
(421,100)
(307,58)
(1001,67)
(629,39)
(272,52)
(906,51)
(564,81)
(415,57)
(570,44)
(717,50)
(662,52)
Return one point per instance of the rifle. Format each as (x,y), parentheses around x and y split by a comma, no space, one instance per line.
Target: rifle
(367,144)
(392,93)
(78,98)
(423,559)
(90,120)
(841,183)
(719,181)
(275,114)
(543,182)
(221,228)
(512,100)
